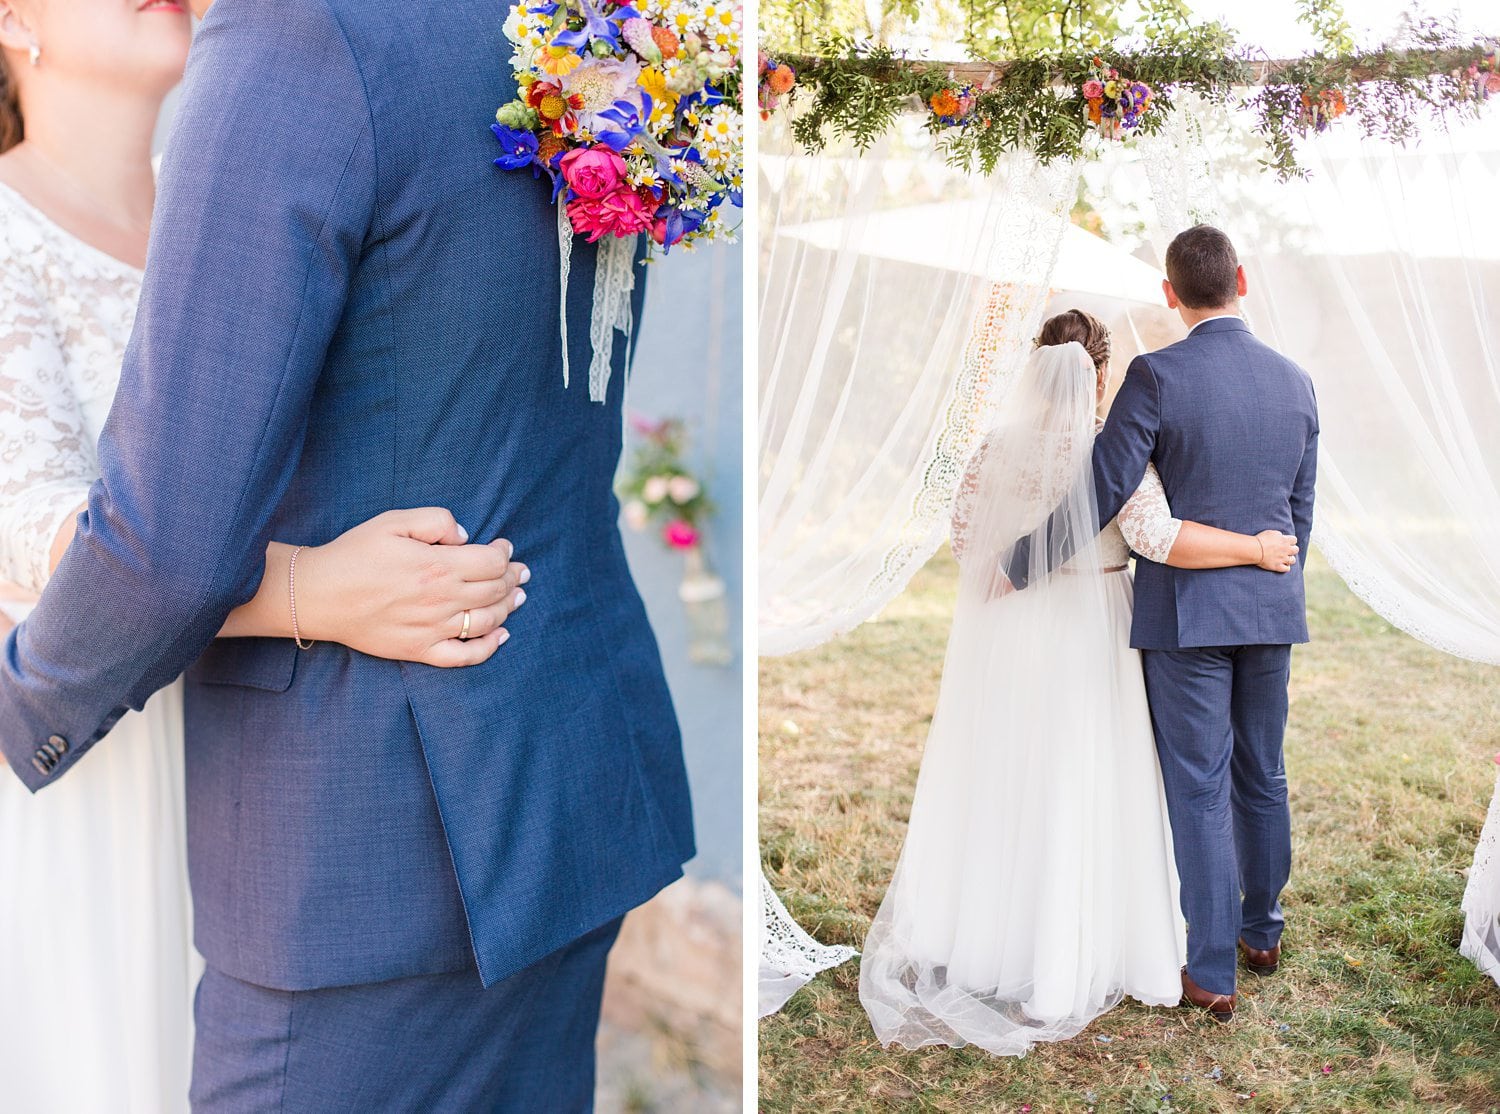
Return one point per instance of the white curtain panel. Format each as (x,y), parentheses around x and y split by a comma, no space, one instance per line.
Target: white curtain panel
(874,378)
(1380,274)
(898,297)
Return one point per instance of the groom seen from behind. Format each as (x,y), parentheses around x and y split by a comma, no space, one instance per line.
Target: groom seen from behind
(1232,426)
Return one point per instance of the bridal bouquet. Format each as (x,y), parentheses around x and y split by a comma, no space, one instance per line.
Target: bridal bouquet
(632,112)
(634,115)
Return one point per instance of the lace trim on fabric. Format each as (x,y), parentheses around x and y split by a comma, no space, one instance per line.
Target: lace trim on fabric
(614,282)
(789,957)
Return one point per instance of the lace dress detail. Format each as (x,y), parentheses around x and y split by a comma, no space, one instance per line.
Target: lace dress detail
(1146,524)
(66,311)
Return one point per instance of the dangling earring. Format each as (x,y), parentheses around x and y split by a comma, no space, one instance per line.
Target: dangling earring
(36,55)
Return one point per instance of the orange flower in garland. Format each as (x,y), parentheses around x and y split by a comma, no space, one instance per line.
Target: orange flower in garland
(944,103)
(952,106)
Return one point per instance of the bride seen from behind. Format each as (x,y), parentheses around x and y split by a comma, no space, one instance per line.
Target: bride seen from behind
(96,918)
(1036,888)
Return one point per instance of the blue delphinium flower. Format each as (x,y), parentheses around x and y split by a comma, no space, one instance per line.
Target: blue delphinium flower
(518,149)
(679,223)
(597,27)
(626,121)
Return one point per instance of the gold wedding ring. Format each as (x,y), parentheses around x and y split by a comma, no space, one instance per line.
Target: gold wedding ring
(463,635)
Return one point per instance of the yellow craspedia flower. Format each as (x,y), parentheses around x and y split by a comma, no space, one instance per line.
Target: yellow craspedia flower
(558,61)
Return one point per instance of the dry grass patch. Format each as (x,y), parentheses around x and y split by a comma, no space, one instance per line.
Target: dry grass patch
(1374,1008)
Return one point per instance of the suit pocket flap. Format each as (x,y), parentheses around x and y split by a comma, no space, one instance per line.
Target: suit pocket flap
(255,663)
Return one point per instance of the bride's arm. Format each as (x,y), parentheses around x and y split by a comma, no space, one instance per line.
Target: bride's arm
(396,586)
(1150,530)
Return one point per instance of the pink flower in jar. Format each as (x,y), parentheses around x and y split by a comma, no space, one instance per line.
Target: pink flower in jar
(681,535)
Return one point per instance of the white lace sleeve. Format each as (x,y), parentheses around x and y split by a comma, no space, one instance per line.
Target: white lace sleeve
(46,458)
(1147,522)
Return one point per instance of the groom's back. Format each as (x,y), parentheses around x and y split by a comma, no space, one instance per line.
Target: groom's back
(548,782)
(1237,422)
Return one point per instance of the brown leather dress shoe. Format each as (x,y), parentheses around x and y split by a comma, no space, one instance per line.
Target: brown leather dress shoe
(1261,962)
(1219,1006)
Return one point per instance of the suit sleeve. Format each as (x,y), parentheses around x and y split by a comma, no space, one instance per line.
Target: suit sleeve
(1304,485)
(1128,441)
(266,200)
(1121,454)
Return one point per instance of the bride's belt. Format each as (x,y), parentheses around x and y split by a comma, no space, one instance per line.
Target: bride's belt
(1089,572)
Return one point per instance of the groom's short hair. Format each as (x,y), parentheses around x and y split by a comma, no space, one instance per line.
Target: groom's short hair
(1202,267)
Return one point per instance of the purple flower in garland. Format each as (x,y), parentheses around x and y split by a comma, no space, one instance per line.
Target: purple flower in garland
(597,27)
(518,149)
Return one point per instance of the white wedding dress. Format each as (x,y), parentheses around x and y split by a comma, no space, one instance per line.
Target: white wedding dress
(1036,887)
(1481,939)
(96,960)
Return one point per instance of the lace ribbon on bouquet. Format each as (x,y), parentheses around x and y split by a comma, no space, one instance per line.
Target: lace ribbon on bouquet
(614,283)
(789,957)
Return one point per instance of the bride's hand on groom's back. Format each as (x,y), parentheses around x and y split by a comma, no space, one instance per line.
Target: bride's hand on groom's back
(399,585)
(1278,551)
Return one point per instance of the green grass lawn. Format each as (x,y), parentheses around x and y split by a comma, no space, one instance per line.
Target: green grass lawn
(1388,755)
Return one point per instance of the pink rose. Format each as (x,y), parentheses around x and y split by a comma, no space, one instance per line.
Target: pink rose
(622,213)
(680,535)
(593,172)
(1092,89)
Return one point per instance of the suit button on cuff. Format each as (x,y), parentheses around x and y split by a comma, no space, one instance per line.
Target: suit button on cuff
(59,744)
(40,764)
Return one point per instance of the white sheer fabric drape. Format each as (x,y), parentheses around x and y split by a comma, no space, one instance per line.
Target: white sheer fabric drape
(897,296)
(1380,273)
(873,376)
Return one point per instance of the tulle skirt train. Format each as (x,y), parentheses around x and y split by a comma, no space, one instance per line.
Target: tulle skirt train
(1036,888)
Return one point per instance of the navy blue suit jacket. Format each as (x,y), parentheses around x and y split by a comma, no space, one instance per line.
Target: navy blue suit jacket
(348,309)
(1232,427)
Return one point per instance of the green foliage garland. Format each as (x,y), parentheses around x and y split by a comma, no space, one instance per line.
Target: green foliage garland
(850,90)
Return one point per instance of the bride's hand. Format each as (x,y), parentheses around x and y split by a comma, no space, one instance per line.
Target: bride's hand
(398,585)
(1278,551)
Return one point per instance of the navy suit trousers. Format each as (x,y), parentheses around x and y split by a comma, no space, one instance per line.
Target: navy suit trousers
(434,1044)
(1220,719)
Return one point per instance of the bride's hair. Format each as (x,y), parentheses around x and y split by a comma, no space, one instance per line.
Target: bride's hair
(1078,327)
(12,123)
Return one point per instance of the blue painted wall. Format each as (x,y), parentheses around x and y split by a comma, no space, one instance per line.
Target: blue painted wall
(688,365)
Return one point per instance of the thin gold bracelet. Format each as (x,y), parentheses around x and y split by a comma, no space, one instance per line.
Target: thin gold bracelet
(292,593)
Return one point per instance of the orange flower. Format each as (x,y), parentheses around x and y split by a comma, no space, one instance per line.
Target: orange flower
(666,42)
(548,146)
(781,79)
(944,103)
(1096,111)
